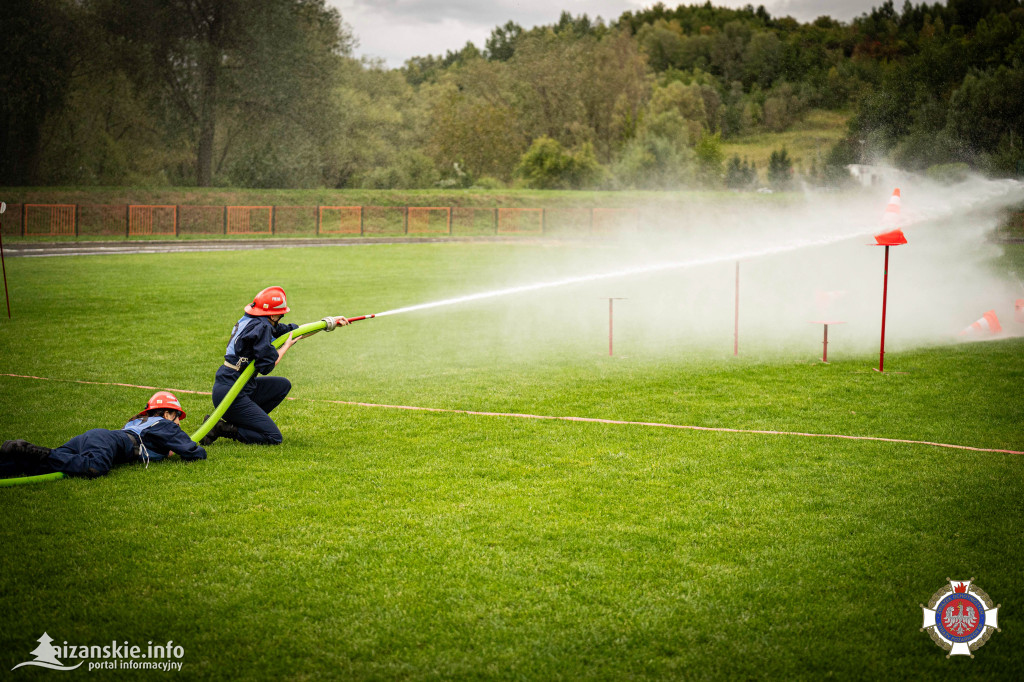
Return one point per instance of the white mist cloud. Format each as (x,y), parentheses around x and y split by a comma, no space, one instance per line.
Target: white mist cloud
(801,262)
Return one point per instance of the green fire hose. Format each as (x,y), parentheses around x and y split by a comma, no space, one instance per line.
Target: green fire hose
(25,480)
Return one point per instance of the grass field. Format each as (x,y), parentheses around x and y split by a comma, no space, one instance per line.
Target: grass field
(806,141)
(379,543)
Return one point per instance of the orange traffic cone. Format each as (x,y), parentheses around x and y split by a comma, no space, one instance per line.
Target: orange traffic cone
(894,237)
(986,324)
(1018,310)
(892,209)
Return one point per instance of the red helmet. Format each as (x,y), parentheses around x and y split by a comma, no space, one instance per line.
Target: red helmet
(163,400)
(270,301)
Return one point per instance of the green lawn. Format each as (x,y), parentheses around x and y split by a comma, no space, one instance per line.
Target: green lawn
(380,543)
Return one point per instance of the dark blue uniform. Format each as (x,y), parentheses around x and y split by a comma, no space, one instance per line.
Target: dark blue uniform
(96,451)
(251,343)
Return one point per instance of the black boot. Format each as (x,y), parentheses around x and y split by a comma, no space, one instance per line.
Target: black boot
(228,430)
(10,459)
(221,429)
(24,449)
(210,436)
(20,456)
(10,448)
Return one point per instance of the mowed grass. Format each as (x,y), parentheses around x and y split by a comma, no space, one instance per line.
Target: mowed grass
(379,543)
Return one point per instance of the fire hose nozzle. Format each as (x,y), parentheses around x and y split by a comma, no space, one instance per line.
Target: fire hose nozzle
(332,323)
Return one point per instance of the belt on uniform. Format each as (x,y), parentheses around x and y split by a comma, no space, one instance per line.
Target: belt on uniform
(138,447)
(242,362)
(136,443)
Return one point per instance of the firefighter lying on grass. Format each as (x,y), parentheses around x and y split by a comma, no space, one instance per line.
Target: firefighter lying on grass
(150,436)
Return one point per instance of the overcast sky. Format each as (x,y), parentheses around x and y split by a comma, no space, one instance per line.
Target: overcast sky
(395,30)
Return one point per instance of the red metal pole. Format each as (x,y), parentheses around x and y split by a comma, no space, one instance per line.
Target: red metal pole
(610,301)
(824,349)
(885,290)
(4,266)
(736,326)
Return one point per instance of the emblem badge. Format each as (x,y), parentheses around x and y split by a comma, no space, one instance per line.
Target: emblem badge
(960,618)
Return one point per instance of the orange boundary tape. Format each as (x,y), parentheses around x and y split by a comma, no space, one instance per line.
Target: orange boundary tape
(587,420)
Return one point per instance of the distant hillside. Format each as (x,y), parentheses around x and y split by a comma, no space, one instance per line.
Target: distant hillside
(270,96)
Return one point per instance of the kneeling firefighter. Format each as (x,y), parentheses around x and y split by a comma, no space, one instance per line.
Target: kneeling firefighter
(248,420)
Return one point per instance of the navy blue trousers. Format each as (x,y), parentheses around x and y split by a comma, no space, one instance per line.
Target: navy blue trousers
(250,411)
(90,454)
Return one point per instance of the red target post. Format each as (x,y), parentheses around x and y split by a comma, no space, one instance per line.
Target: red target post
(887,239)
(824,343)
(736,318)
(611,326)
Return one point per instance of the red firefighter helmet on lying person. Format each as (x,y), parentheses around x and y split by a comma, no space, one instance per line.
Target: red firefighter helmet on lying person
(163,400)
(270,301)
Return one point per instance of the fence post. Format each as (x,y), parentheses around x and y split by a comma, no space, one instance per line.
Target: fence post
(78,218)
(273,218)
(495,220)
(360,221)
(24,219)
(176,211)
(127,220)
(449,221)
(407,220)
(318,215)
(225,220)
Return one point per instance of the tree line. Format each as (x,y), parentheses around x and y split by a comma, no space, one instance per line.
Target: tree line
(267,93)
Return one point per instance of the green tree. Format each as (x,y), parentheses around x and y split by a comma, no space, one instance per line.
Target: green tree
(762,59)
(986,119)
(474,121)
(662,41)
(42,41)
(650,161)
(617,90)
(685,102)
(780,169)
(249,61)
(709,158)
(501,44)
(739,175)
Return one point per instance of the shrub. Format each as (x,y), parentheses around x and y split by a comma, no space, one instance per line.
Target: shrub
(547,165)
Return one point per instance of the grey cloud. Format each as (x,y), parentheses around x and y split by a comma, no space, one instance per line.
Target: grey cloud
(496,13)
(809,10)
(396,30)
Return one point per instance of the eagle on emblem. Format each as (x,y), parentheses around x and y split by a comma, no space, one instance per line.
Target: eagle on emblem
(960,622)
